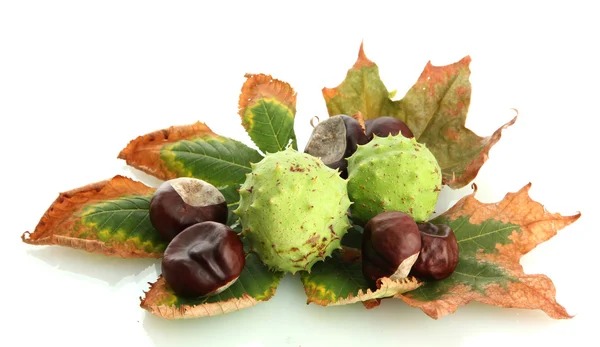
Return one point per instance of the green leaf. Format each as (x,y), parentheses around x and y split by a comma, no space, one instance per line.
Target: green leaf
(267,107)
(339,281)
(218,161)
(492,238)
(435,109)
(121,221)
(232,197)
(255,284)
(108,217)
(191,151)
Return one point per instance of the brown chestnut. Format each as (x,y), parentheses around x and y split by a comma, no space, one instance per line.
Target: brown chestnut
(183,202)
(203,260)
(439,252)
(390,245)
(334,140)
(385,126)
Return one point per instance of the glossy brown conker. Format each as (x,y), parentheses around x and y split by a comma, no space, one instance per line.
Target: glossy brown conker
(203,260)
(390,245)
(385,126)
(334,140)
(182,202)
(439,252)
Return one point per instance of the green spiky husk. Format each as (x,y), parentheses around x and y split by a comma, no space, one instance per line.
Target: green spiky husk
(393,173)
(293,210)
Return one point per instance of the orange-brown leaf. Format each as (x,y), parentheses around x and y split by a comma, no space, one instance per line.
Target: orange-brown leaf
(470,171)
(161,302)
(492,239)
(144,152)
(260,86)
(72,220)
(434,109)
(191,151)
(267,107)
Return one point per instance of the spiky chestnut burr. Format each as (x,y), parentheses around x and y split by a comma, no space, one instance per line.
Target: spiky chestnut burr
(393,173)
(293,210)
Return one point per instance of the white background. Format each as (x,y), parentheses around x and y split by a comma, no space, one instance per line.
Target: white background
(79,79)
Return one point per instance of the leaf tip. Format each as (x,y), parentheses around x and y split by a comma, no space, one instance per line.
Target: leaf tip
(466,60)
(328,94)
(472,169)
(362,60)
(122,155)
(361,49)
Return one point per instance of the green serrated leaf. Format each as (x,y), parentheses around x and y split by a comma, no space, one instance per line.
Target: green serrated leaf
(232,197)
(267,108)
(219,161)
(231,194)
(334,279)
(255,284)
(121,221)
(339,281)
(191,151)
(270,125)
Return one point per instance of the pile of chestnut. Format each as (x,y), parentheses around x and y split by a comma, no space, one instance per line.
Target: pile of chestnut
(204,256)
(395,246)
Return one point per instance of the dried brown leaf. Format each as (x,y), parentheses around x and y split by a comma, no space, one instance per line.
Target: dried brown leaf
(67,221)
(144,152)
(492,239)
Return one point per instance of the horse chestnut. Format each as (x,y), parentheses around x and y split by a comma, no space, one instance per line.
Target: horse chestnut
(203,260)
(182,202)
(334,140)
(384,126)
(439,252)
(390,245)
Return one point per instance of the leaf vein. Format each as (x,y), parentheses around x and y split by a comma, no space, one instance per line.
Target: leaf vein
(263,104)
(205,156)
(485,234)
